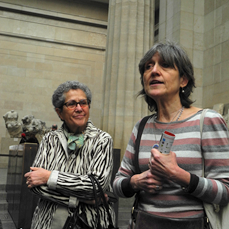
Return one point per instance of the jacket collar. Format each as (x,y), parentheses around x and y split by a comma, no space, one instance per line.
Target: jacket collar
(90,132)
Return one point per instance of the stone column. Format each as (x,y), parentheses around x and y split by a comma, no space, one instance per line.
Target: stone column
(130,35)
(183,22)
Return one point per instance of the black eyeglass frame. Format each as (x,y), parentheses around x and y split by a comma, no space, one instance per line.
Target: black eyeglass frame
(76,103)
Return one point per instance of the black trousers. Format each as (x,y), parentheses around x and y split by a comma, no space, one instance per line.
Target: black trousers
(145,220)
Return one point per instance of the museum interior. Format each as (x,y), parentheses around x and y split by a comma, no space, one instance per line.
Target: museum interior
(99,43)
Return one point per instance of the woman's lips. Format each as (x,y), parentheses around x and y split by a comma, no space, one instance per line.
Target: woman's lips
(78,116)
(155,82)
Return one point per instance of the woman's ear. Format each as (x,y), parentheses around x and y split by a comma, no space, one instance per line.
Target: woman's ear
(184,81)
(58,111)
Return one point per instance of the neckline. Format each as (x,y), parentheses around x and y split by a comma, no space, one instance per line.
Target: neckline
(179,121)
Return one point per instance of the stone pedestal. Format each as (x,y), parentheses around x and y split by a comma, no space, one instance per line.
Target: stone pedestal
(6,142)
(21,202)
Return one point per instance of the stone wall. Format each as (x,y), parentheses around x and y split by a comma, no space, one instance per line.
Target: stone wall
(44,43)
(216,53)
(182,22)
(6,142)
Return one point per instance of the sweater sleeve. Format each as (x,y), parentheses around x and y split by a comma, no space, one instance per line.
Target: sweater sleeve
(121,184)
(214,187)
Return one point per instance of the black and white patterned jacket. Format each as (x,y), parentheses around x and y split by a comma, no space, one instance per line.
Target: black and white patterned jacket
(69,180)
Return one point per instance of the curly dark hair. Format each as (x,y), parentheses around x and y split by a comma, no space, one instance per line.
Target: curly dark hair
(175,57)
(58,97)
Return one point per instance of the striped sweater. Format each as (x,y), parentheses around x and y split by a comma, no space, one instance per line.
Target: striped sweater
(172,201)
(69,179)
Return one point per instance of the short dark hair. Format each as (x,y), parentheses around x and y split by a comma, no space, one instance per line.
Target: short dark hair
(58,97)
(175,57)
(54,126)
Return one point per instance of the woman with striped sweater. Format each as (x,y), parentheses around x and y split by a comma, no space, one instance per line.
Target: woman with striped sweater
(170,187)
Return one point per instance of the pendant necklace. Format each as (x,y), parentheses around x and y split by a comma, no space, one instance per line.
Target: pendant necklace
(178,114)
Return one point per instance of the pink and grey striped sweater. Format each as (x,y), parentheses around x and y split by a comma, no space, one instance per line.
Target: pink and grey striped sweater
(172,201)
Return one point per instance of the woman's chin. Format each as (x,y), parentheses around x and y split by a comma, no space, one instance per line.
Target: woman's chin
(79,127)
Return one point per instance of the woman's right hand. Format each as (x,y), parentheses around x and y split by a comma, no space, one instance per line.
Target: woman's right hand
(146,181)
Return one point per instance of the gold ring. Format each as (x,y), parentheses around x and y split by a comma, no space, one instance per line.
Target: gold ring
(157,187)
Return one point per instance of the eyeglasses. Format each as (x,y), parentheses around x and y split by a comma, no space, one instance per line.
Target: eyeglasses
(71,105)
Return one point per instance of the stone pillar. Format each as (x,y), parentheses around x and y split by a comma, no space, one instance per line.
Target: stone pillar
(130,35)
(182,21)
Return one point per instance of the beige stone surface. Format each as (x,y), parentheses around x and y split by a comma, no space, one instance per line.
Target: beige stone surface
(217,73)
(209,39)
(125,48)
(4,149)
(187,20)
(209,57)
(223,50)
(225,71)
(198,23)
(198,58)
(219,108)
(199,7)
(218,50)
(208,6)
(208,76)
(197,97)
(216,77)
(198,74)
(198,42)
(187,5)
(37,53)
(186,38)
(208,96)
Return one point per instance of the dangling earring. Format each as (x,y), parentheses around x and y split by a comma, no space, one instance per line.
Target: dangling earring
(182,90)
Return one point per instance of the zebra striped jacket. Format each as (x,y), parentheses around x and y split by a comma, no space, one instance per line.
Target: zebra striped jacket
(69,182)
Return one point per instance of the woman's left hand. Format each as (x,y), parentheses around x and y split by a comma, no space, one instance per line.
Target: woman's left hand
(165,166)
(37,176)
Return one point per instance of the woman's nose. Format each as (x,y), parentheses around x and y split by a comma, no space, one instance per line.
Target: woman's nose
(155,68)
(78,108)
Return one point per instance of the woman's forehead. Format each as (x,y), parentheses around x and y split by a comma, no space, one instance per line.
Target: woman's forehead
(75,93)
(155,55)
(160,57)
